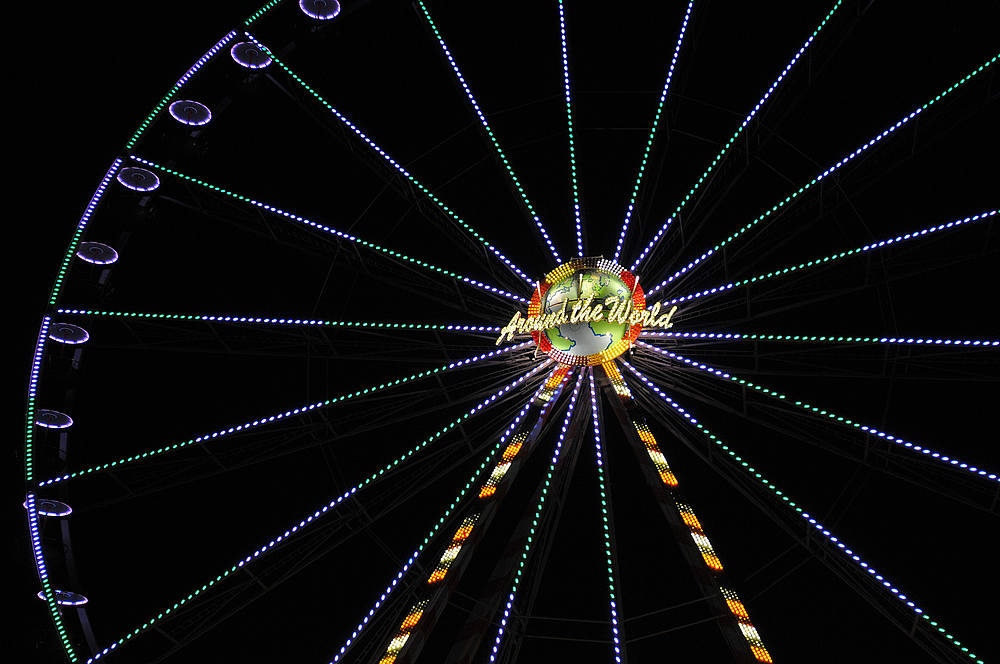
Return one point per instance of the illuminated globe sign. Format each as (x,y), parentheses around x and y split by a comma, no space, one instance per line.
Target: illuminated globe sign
(587,311)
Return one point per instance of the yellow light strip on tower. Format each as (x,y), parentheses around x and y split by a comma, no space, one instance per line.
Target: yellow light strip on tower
(749,631)
(398,641)
(553,383)
(490,487)
(615,376)
(452,551)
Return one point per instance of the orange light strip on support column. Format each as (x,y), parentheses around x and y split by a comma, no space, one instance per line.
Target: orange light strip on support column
(749,631)
(490,487)
(451,552)
(397,643)
(698,535)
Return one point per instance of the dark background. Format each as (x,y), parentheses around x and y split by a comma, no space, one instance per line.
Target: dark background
(85,78)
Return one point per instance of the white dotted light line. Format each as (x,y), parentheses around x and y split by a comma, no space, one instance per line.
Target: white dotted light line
(833,416)
(489,132)
(615,630)
(320,512)
(534,524)
(799,512)
(282,321)
(395,164)
(821,177)
(652,131)
(289,413)
(736,336)
(333,231)
(729,143)
(827,259)
(569,124)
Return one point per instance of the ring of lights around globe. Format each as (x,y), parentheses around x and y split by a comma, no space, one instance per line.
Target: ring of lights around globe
(587,282)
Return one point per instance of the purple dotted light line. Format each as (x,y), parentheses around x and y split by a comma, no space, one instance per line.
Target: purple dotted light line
(827,259)
(394,164)
(829,339)
(821,176)
(833,416)
(534,527)
(805,515)
(333,231)
(288,413)
(489,131)
(652,131)
(729,144)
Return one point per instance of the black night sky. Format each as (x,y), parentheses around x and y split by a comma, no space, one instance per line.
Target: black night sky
(146,535)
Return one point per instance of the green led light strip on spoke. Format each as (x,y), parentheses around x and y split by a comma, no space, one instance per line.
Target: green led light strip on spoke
(392,162)
(332,231)
(260,12)
(739,336)
(489,132)
(273,418)
(279,321)
(732,140)
(319,513)
(824,175)
(948,461)
(800,513)
(834,257)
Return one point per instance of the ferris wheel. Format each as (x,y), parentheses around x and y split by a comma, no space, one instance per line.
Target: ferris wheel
(435,333)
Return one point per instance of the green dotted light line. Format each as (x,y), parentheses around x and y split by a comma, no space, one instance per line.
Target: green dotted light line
(260,12)
(280,321)
(489,132)
(332,231)
(305,522)
(569,127)
(827,259)
(447,210)
(291,413)
(799,511)
(823,175)
(819,411)
(732,140)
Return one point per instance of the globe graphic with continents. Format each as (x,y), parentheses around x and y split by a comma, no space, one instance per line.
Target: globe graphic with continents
(584,337)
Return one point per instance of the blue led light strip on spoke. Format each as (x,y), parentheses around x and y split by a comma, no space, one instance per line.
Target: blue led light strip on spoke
(303,524)
(605,507)
(535,521)
(729,143)
(396,165)
(281,321)
(823,261)
(489,132)
(652,131)
(569,124)
(332,231)
(953,463)
(800,513)
(737,336)
(274,418)
(43,575)
(825,174)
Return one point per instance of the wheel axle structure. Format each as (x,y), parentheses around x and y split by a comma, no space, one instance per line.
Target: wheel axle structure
(327,366)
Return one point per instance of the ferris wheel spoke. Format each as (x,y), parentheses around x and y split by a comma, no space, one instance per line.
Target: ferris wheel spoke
(277,417)
(411,635)
(985,481)
(822,176)
(489,132)
(652,134)
(413,189)
(819,262)
(607,511)
(395,255)
(706,176)
(386,471)
(739,632)
(569,125)
(819,540)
